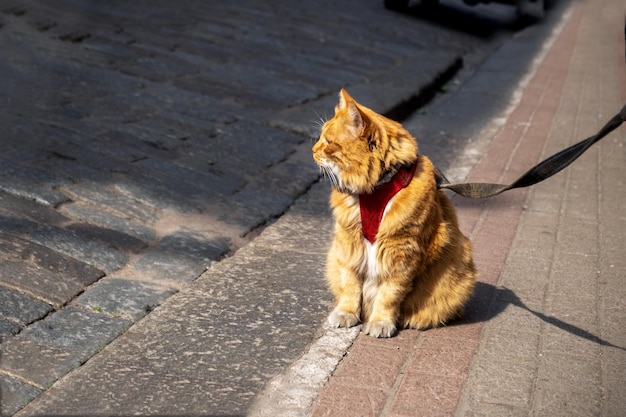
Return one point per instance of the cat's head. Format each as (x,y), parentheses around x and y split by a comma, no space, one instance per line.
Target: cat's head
(357,148)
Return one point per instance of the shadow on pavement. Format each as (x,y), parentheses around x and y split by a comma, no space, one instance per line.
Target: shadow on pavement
(482,309)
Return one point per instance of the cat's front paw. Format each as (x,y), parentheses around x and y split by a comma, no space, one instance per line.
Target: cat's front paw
(341,318)
(380,328)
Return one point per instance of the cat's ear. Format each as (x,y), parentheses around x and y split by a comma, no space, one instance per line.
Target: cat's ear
(344,100)
(354,114)
(356,118)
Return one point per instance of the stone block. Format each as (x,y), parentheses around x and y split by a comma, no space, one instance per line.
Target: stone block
(47,285)
(32,191)
(432,395)
(47,260)
(505,380)
(80,331)
(16,226)
(130,234)
(29,209)
(79,247)
(15,395)
(350,402)
(161,192)
(124,298)
(7,329)
(21,308)
(195,245)
(105,197)
(125,243)
(168,268)
(37,362)
(568,385)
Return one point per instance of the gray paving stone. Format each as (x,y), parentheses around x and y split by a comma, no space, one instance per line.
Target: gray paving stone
(129,299)
(73,161)
(504,380)
(15,394)
(44,284)
(169,268)
(290,176)
(131,235)
(534,285)
(296,236)
(195,183)
(107,197)
(7,328)
(125,146)
(560,395)
(154,130)
(403,83)
(190,103)
(80,331)
(21,207)
(121,241)
(490,410)
(33,191)
(155,67)
(195,245)
(263,88)
(579,238)
(564,337)
(39,363)
(615,377)
(21,308)
(15,225)
(148,192)
(517,343)
(79,247)
(260,205)
(48,260)
(573,273)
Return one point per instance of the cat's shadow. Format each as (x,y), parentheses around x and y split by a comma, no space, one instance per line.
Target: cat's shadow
(482,309)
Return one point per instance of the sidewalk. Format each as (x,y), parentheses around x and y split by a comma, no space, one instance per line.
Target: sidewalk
(544,335)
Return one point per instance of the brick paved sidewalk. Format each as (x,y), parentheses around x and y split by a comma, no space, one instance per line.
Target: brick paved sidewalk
(544,334)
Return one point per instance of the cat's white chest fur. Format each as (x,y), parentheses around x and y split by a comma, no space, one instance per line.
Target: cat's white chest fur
(370,263)
(371,271)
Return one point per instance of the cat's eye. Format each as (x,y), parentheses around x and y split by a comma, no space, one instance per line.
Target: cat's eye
(326,140)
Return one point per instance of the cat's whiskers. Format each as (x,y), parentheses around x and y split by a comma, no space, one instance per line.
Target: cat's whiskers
(330,174)
(319,123)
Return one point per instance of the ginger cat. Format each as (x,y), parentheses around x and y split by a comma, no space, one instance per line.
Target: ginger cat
(398,257)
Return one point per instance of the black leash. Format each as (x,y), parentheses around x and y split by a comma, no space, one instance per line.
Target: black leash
(543,170)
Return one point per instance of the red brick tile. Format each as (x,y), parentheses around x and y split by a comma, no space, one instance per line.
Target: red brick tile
(346,401)
(374,364)
(426,395)
(405,339)
(441,356)
(462,329)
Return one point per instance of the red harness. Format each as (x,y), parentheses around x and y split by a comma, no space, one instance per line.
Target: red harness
(373,205)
